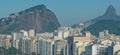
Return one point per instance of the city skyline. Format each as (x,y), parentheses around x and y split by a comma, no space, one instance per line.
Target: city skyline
(66,11)
(60,27)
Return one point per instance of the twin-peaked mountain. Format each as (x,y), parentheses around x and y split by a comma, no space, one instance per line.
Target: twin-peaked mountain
(109,21)
(38,17)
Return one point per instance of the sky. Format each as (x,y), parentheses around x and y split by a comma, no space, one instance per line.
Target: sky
(68,12)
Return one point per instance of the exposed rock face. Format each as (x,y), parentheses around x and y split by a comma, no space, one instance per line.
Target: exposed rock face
(38,17)
(109,21)
(110,11)
(110,14)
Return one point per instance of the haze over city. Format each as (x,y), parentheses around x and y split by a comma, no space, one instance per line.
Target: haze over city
(60,27)
(68,12)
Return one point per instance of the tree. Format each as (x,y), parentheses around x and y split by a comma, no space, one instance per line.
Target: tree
(12,50)
(33,53)
(2,50)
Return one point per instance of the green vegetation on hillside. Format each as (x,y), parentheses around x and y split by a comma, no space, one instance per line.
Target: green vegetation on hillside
(111,25)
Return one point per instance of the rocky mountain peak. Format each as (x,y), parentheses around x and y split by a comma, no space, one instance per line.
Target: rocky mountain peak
(110,10)
(109,21)
(37,7)
(42,6)
(38,17)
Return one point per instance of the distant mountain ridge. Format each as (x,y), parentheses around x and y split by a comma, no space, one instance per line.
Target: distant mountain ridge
(110,14)
(38,17)
(109,21)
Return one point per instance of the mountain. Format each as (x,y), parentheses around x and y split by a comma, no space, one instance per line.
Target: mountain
(80,25)
(109,21)
(38,17)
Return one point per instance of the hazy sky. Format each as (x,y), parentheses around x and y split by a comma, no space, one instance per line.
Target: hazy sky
(68,12)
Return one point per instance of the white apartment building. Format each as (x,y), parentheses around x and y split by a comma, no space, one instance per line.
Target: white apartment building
(45,46)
